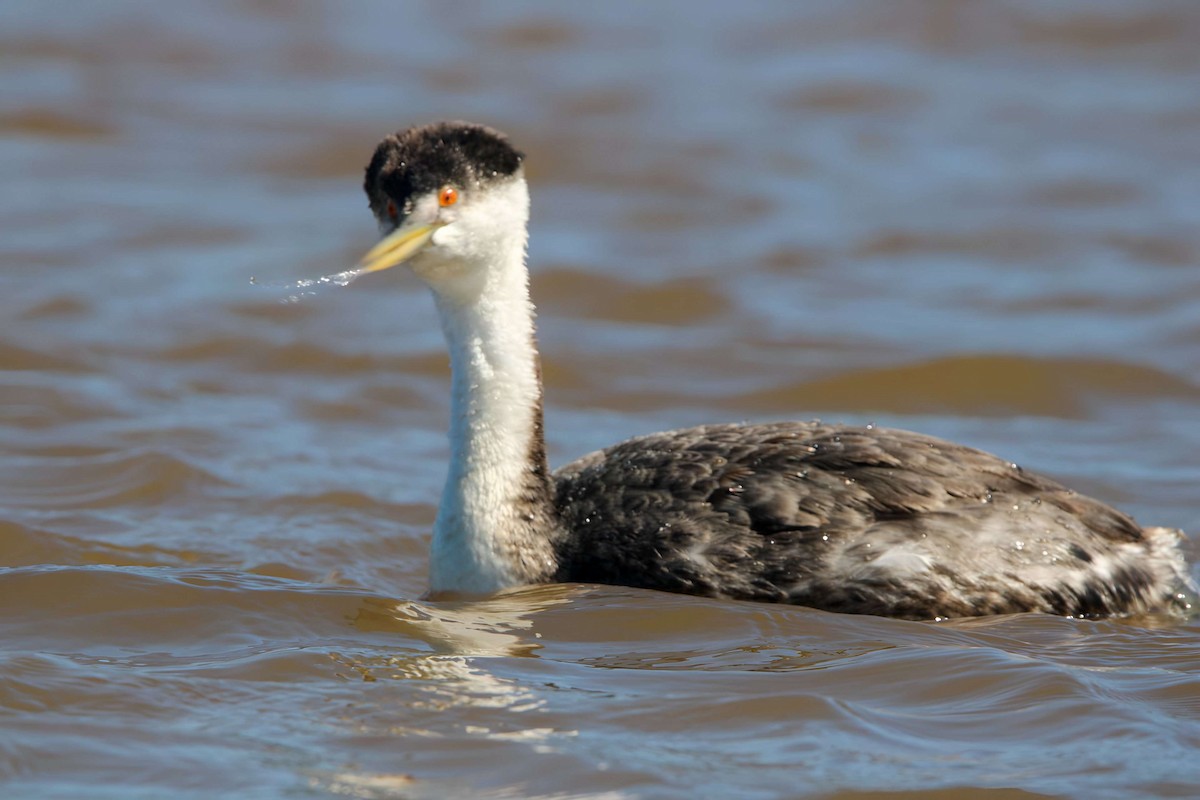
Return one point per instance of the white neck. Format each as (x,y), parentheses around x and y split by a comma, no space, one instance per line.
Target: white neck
(493,527)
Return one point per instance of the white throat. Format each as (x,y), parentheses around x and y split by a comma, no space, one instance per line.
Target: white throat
(492,531)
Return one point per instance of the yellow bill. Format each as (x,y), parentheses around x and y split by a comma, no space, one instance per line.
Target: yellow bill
(397,247)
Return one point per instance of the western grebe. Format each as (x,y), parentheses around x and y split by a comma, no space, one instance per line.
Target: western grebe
(844,518)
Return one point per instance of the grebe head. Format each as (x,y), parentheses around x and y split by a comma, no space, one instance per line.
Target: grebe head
(451,202)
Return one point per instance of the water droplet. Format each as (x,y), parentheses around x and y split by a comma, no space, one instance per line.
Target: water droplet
(309,286)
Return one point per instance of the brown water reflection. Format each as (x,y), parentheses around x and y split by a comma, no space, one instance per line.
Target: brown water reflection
(977,219)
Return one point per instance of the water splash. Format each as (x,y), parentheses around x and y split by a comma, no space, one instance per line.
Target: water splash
(311,286)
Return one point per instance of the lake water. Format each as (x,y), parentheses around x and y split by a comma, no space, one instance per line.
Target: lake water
(980,220)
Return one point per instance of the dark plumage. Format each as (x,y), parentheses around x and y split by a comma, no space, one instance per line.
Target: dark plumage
(420,160)
(864,520)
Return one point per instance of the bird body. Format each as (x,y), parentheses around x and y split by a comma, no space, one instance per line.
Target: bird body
(853,519)
(858,519)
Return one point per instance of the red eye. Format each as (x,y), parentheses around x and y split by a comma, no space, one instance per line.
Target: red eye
(448,196)
(392,212)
